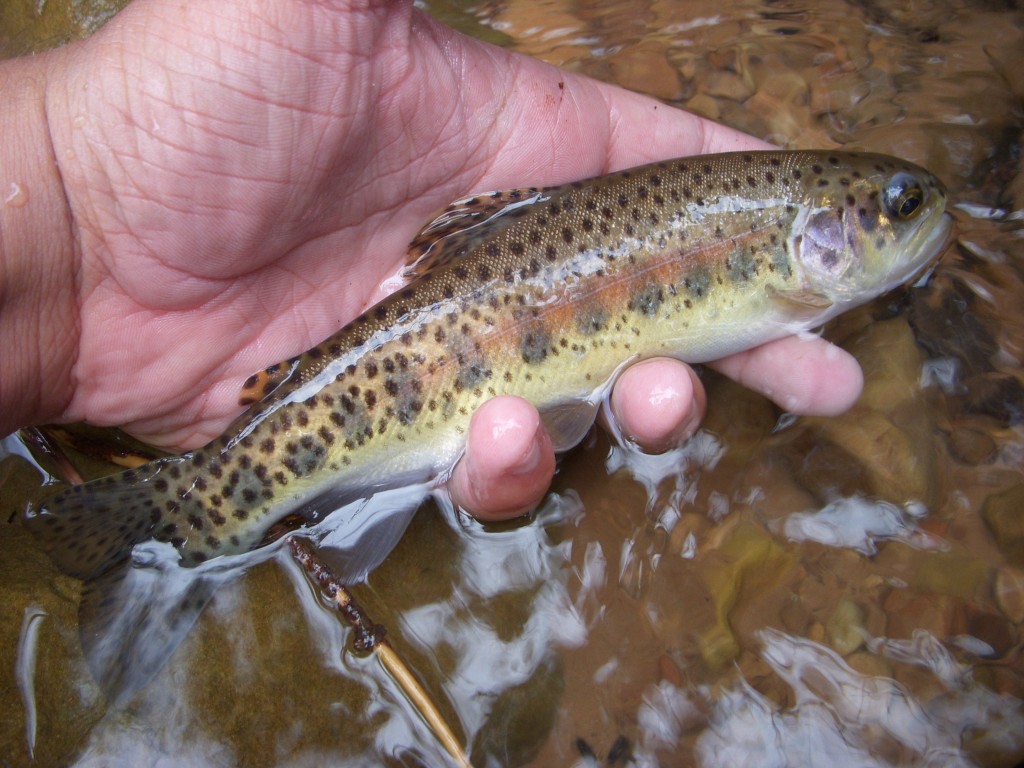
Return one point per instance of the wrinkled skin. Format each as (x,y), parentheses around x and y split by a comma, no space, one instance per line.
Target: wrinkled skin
(243,178)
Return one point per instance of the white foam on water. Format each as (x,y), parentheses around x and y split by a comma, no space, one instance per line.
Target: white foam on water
(859,523)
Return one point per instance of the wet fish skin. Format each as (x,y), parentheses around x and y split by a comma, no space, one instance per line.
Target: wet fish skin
(542,293)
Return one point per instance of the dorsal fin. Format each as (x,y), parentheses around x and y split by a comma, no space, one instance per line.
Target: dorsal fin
(463,225)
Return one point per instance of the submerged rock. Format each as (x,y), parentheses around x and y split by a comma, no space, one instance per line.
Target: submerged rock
(1004,514)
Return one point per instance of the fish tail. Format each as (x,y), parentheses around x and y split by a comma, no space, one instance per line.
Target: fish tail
(86,528)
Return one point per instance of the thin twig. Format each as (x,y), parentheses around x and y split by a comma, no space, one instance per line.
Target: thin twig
(371,638)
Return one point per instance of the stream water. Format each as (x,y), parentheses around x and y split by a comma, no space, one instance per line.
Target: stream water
(777,592)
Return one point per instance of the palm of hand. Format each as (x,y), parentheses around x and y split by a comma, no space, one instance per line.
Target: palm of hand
(243,177)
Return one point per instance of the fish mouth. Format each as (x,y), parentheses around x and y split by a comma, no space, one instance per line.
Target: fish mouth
(919,268)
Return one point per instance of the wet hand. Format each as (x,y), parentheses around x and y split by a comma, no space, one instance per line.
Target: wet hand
(241,180)
(655,404)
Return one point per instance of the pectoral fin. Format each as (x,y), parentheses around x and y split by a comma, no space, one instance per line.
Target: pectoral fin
(801,302)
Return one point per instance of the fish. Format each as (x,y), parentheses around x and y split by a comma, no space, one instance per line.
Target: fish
(546,293)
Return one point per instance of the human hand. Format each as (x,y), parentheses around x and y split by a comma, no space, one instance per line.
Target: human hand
(242,179)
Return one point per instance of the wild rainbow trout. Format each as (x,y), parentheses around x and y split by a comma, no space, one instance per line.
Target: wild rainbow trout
(545,293)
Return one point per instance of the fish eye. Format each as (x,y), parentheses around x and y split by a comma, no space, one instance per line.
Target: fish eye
(903,196)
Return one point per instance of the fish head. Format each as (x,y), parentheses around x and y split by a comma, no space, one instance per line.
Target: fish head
(871,223)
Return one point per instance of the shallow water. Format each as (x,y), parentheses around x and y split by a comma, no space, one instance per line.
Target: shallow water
(776,592)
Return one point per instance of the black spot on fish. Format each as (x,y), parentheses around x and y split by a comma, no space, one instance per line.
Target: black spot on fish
(647,300)
(741,267)
(697,283)
(534,346)
(592,319)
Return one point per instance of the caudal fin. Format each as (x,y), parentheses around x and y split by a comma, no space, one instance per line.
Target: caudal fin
(87,528)
(132,619)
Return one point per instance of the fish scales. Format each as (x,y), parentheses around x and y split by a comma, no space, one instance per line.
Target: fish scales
(541,293)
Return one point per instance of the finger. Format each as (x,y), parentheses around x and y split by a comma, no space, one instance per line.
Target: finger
(657,404)
(803,374)
(509,461)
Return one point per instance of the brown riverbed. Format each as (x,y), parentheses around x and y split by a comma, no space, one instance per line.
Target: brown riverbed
(778,591)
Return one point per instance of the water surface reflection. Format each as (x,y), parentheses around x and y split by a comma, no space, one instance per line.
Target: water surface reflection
(777,592)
